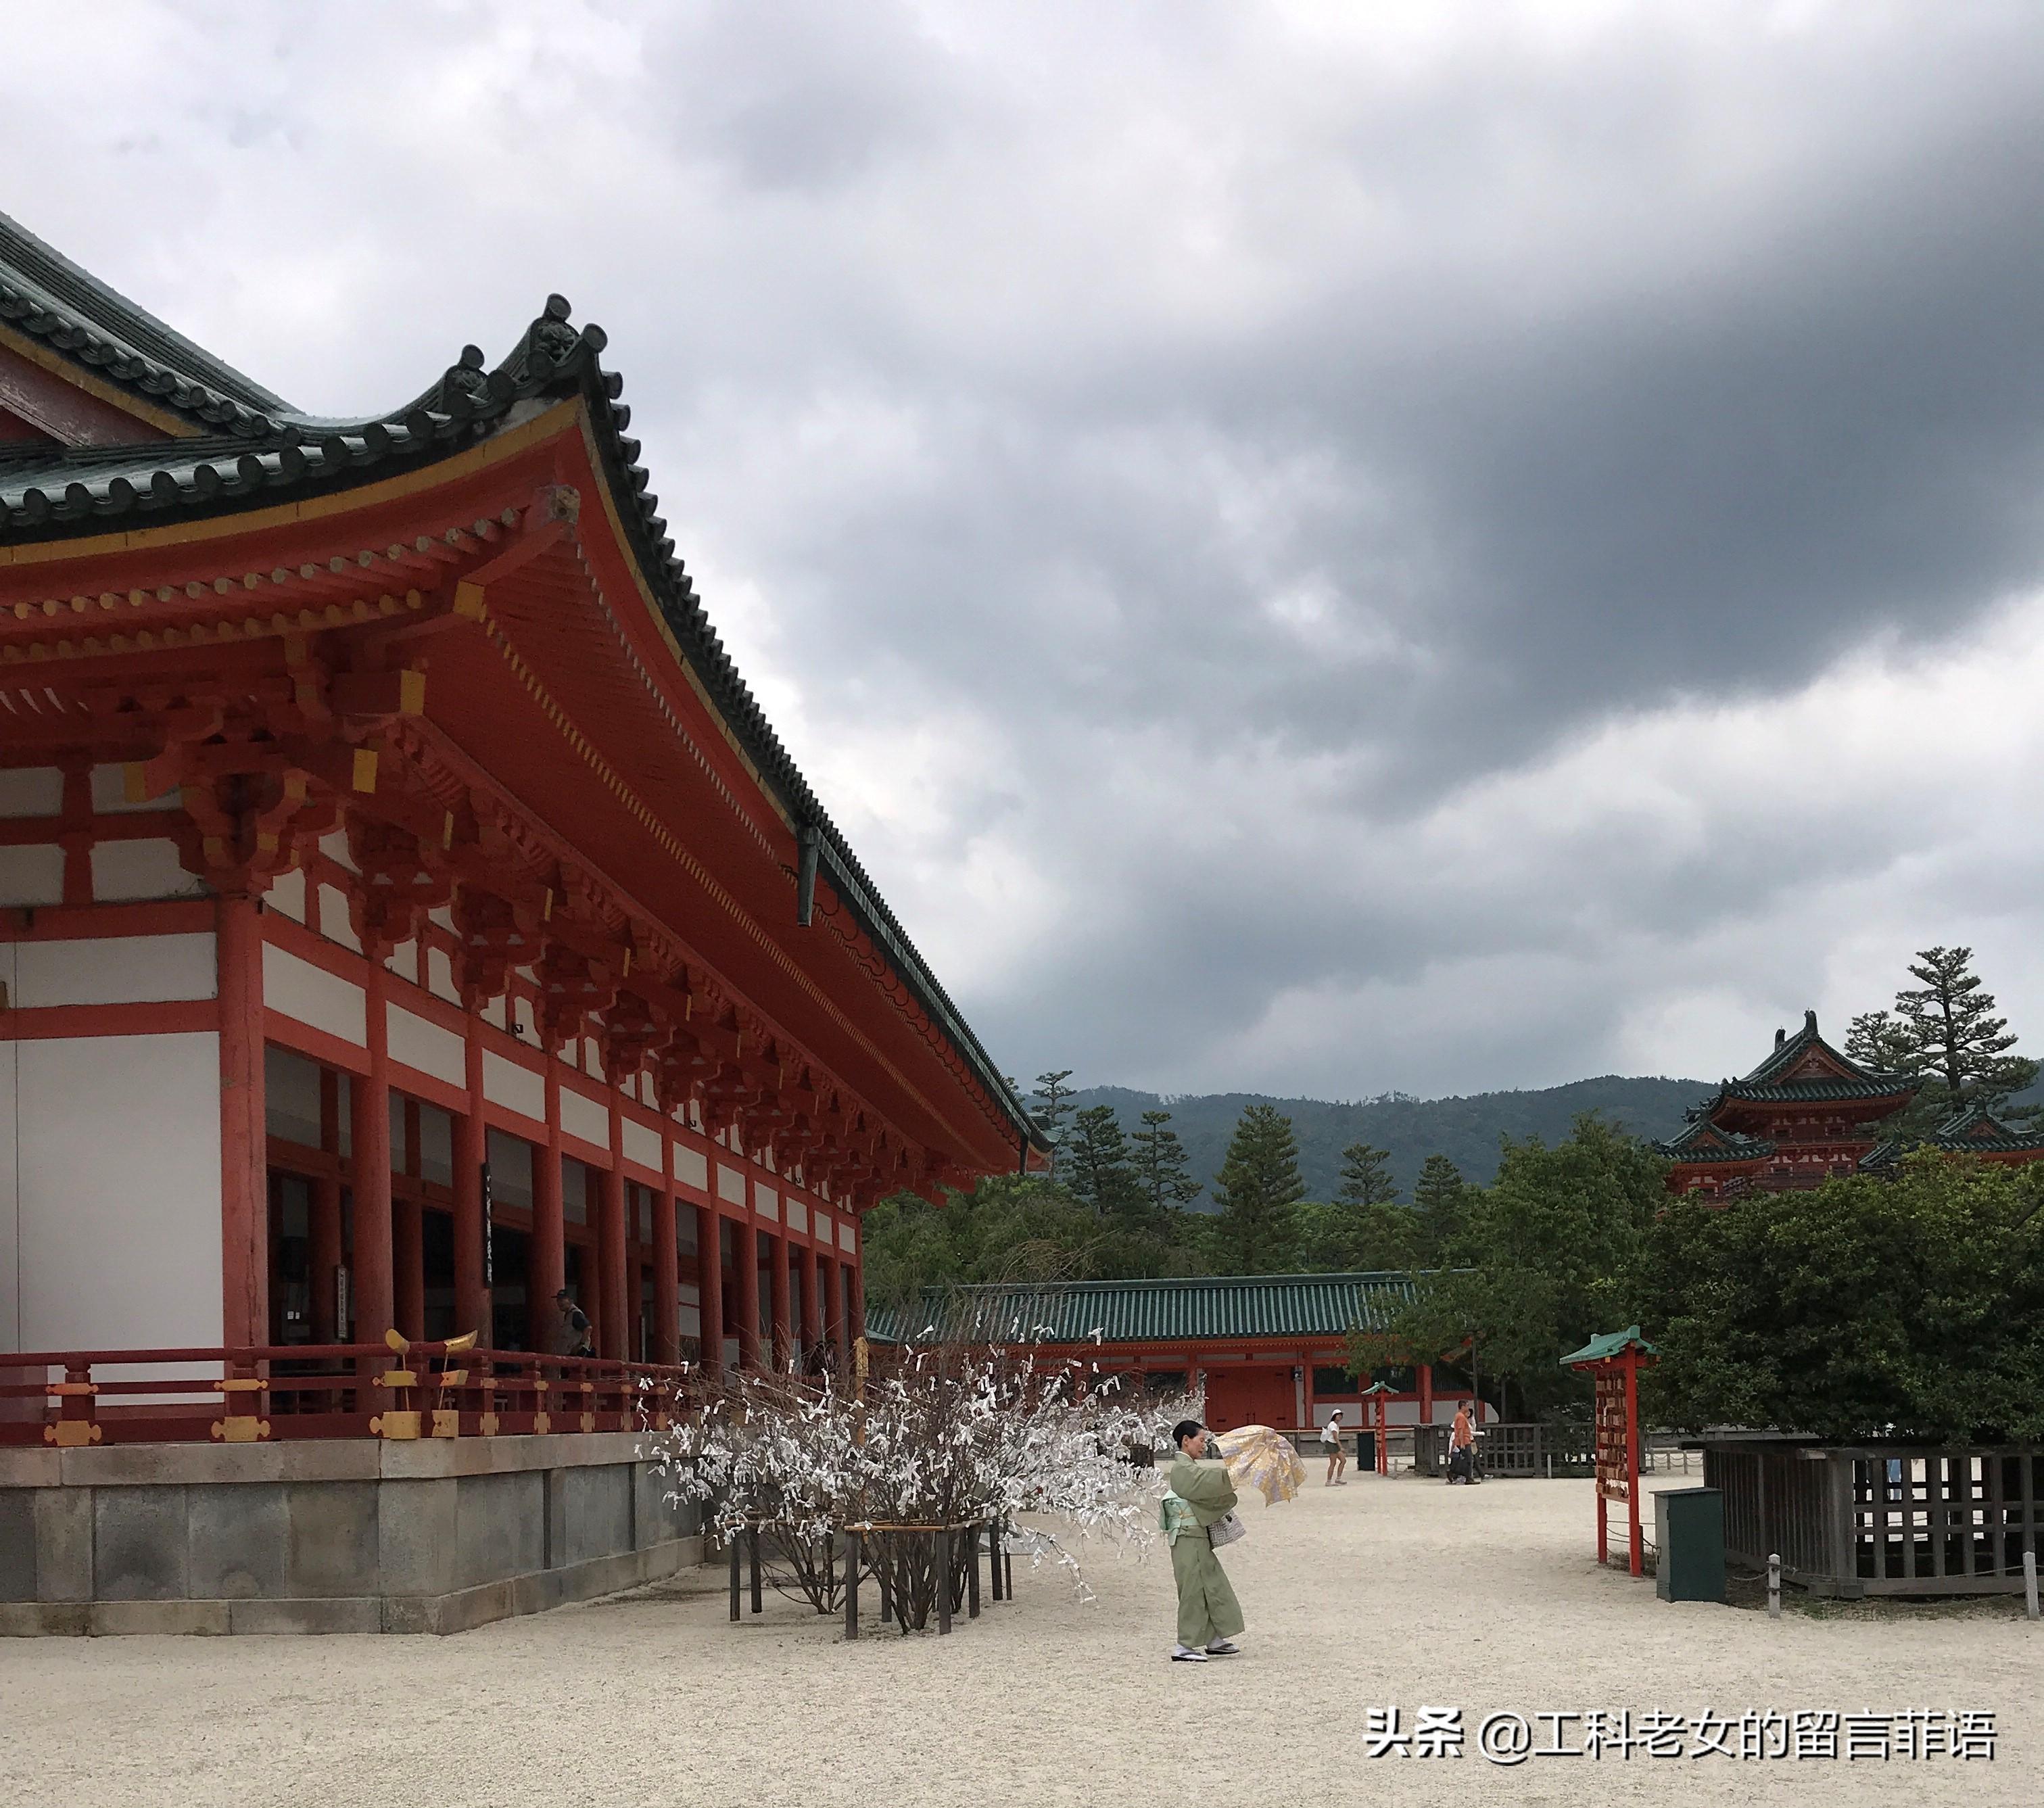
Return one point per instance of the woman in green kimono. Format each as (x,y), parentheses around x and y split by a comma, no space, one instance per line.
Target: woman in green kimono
(1208,1614)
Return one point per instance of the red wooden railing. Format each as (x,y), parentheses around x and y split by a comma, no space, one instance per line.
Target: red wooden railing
(399,1390)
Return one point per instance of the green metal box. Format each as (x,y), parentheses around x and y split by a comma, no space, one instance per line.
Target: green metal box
(1689,1538)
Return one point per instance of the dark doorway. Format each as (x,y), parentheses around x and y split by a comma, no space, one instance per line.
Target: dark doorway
(512,1317)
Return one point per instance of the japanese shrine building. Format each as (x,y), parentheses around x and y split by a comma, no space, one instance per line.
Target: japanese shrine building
(1269,1349)
(1805,1114)
(405,909)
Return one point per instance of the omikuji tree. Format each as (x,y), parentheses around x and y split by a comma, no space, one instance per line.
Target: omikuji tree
(1258,1188)
(1911,1307)
(949,1437)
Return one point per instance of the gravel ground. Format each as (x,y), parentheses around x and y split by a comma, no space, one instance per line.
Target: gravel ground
(1399,1591)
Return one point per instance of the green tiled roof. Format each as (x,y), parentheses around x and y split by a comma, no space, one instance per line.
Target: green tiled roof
(45,296)
(1211,1307)
(259,453)
(1976,1131)
(1704,1141)
(1611,1344)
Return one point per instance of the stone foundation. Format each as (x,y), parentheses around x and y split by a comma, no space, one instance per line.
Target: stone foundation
(354,1535)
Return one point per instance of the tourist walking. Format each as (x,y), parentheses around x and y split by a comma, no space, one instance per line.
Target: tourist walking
(1461,1446)
(1331,1439)
(1200,1493)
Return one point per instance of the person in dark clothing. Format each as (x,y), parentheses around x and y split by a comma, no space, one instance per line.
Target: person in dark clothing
(575,1322)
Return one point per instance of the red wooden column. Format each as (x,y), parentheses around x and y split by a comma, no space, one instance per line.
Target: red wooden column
(408,1244)
(776,1280)
(709,1285)
(326,1252)
(666,1264)
(1426,1393)
(812,1298)
(370,1094)
(613,1332)
(245,1162)
(746,1240)
(474,1308)
(549,1264)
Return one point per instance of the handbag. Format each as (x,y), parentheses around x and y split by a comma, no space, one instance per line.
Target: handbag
(1226,1530)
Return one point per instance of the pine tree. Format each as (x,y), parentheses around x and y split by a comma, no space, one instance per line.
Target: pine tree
(1160,1163)
(1258,1188)
(1440,1196)
(1955,1037)
(1879,1040)
(1054,1099)
(1366,1176)
(1097,1169)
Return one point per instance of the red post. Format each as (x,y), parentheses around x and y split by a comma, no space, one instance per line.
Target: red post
(709,1285)
(667,1266)
(473,1307)
(613,1333)
(1426,1393)
(374,1303)
(549,1264)
(326,1252)
(245,1165)
(747,1241)
(1632,1456)
(812,1302)
(776,1281)
(407,1244)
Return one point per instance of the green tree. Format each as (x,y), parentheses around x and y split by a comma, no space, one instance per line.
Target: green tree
(1347,1237)
(1440,1198)
(1954,1035)
(1053,1105)
(1257,1189)
(1879,1040)
(1161,1167)
(1549,1255)
(1366,1176)
(1864,1308)
(1096,1164)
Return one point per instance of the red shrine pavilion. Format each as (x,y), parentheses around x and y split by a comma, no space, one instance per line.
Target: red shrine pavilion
(405,909)
(1805,1114)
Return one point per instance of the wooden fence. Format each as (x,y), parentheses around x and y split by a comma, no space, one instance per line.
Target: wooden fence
(1880,1520)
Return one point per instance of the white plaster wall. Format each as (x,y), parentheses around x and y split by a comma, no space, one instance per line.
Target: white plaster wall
(116,969)
(31,791)
(118,1192)
(798,1215)
(31,876)
(334,924)
(730,1185)
(128,872)
(691,1168)
(334,847)
(440,975)
(642,1144)
(847,1239)
(426,1046)
(287,895)
(823,1226)
(584,1118)
(516,1089)
(435,1144)
(766,1202)
(313,995)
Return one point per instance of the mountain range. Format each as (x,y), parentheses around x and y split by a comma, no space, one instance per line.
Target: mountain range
(1467,1131)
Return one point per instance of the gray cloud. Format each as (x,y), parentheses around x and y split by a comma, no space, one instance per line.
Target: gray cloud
(1290,536)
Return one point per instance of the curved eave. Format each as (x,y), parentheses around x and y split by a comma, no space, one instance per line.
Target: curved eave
(178,493)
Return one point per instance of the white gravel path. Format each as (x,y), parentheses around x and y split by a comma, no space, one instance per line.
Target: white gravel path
(1398,1591)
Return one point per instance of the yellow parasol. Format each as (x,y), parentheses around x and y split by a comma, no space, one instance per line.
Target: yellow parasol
(1262,1459)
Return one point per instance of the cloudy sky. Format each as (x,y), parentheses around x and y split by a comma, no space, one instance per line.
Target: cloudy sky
(1322,549)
